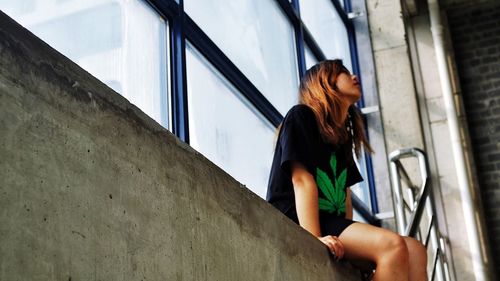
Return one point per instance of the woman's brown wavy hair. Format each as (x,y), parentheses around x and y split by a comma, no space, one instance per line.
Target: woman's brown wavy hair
(318,91)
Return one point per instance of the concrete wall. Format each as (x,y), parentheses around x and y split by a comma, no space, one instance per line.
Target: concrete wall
(93,189)
(398,102)
(397,98)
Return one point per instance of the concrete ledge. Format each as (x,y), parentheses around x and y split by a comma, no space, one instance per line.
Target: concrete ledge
(93,189)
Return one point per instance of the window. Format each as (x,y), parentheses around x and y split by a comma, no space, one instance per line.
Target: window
(361,189)
(125,44)
(328,29)
(108,39)
(224,127)
(17,7)
(258,38)
(357,216)
(309,56)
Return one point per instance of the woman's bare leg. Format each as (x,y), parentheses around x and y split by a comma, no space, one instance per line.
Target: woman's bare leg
(386,249)
(418,259)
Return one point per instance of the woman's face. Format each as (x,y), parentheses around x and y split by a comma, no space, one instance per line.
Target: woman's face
(349,87)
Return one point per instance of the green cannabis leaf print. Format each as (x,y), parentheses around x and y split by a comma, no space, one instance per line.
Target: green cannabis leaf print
(335,195)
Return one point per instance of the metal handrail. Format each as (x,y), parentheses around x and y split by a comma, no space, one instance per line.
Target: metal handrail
(420,198)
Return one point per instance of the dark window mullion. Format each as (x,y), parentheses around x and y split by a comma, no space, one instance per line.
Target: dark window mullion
(172,10)
(353,49)
(169,8)
(356,69)
(341,12)
(351,36)
(348,6)
(292,12)
(180,122)
(299,40)
(221,62)
(351,33)
(371,182)
(312,44)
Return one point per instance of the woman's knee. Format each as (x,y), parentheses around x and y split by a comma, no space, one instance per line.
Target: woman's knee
(395,248)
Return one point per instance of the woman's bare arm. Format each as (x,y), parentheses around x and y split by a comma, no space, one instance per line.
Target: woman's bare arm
(306,202)
(306,198)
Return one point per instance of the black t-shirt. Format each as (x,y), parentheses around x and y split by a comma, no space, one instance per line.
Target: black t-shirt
(332,166)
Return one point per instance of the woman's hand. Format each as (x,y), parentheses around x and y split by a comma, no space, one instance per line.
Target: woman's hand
(334,245)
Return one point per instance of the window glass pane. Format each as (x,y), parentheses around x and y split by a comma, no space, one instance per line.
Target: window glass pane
(356,216)
(258,38)
(361,189)
(322,20)
(122,43)
(17,7)
(309,56)
(225,128)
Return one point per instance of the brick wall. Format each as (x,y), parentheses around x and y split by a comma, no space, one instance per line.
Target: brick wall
(475,32)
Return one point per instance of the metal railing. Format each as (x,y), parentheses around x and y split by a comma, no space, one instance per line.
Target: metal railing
(409,211)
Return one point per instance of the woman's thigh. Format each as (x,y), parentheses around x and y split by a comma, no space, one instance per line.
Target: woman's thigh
(368,242)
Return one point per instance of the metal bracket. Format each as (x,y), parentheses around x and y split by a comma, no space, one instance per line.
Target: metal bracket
(353,15)
(385,215)
(370,109)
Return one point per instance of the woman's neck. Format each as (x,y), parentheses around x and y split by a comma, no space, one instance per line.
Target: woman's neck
(344,111)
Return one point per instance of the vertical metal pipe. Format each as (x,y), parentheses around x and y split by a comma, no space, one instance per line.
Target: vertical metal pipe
(479,261)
